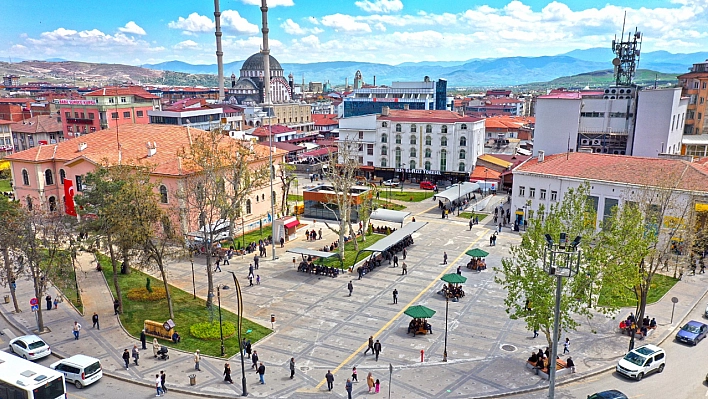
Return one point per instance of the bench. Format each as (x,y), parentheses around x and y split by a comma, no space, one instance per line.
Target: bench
(158,330)
(637,333)
(561,369)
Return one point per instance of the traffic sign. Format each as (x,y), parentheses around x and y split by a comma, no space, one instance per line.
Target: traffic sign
(35,308)
(34,301)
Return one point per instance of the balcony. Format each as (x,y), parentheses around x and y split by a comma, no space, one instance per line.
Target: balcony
(79,121)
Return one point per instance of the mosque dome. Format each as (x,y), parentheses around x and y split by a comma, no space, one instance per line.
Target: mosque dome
(255,63)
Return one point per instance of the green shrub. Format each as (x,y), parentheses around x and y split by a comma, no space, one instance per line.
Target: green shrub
(147,285)
(209,331)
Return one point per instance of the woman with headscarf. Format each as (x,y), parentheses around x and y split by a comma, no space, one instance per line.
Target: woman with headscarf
(155,346)
(370,381)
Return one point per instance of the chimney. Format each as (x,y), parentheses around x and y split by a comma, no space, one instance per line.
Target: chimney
(385,111)
(541,156)
(152,148)
(406,107)
(82,146)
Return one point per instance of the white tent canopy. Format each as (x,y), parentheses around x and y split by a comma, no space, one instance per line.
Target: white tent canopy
(458,191)
(388,215)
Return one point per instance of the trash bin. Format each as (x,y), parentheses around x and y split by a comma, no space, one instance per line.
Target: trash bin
(192,379)
(7,298)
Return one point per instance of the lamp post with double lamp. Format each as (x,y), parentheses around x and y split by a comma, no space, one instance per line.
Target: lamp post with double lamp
(560,259)
(221,329)
(239,313)
(194,285)
(447,304)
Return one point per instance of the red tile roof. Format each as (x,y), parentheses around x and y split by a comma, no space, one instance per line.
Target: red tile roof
(508,122)
(482,173)
(4,122)
(264,131)
(692,176)
(319,151)
(325,119)
(38,124)
(122,91)
(289,147)
(433,116)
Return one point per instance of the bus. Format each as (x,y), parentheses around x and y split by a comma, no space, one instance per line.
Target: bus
(22,379)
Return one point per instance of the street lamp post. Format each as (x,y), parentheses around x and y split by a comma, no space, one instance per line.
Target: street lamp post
(459,202)
(447,304)
(485,181)
(194,286)
(239,312)
(221,329)
(561,259)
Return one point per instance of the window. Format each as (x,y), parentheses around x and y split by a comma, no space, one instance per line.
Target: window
(428,140)
(384,150)
(91,115)
(443,141)
(248,207)
(700,100)
(360,148)
(67,115)
(532,192)
(428,153)
(76,115)
(79,183)
(369,149)
(462,154)
(163,194)
(384,138)
(361,134)
(123,100)
(126,114)
(111,100)
(411,164)
(383,162)
(413,140)
(48,177)
(398,139)
(398,157)
(398,127)
(25,177)
(443,160)
(461,167)
(413,126)
(592,114)
(384,124)
(428,129)
(443,129)
(704,85)
(52,204)
(427,165)
(361,160)
(463,126)
(522,191)
(413,152)
(463,141)
(699,116)
(114,115)
(62,176)
(542,194)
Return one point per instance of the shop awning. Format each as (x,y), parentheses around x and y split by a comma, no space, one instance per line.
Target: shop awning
(389,215)
(456,192)
(291,222)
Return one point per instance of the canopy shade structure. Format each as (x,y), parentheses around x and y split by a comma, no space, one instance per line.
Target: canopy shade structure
(318,254)
(455,192)
(395,237)
(388,215)
(477,253)
(419,312)
(453,278)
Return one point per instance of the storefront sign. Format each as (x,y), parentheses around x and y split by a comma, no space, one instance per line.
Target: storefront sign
(75,102)
(418,171)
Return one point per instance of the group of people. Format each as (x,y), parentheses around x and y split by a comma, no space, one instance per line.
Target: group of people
(319,270)
(390,255)
(540,360)
(312,235)
(382,229)
(630,324)
(416,325)
(452,291)
(477,264)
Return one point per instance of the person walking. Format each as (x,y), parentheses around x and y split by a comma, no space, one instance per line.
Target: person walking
(444,258)
(255,261)
(355,376)
(348,386)
(77,330)
(48,298)
(395,296)
(248,348)
(404,268)
(158,385)
(350,286)
(227,374)
(155,347)
(116,307)
(377,349)
(395,260)
(218,268)
(282,242)
(371,345)
(126,358)
(250,280)
(261,373)
(377,384)
(250,268)
(197,359)
(163,376)
(535,331)
(319,233)
(292,367)
(405,252)
(370,381)
(471,223)
(571,364)
(254,359)
(566,346)
(94,319)
(330,380)
(136,355)
(143,339)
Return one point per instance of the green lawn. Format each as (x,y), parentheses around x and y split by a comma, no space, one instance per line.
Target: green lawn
(188,311)
(408,196)
(350,252)
(388,205)
(659,287)
(468,215)
(294,198)
(66,283)
(5,185)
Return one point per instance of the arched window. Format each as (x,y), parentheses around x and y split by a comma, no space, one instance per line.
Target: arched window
(428,140)
(443,129)
(462,167)
(398,139)
(48,177)
(384,138)
(383,162)
(25,178)
(163,194)
(412,128)
(428,129)
(443,160)
(413,152)
(428,153)
(257,198)
(462,154)
(52,204)
(463,141)
(398,157)
(398,127)
(62,176)
(248,207)
(384,150)
(262,197)
(463,126)
(384,124)
(443,141)
(427,165)
(411,165)
(413,140)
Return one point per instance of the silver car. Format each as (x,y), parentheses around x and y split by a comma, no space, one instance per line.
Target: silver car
(30,347)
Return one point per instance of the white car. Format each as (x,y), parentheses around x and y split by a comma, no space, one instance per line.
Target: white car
(642,361)
(391,183)
(82,370)
(30,347)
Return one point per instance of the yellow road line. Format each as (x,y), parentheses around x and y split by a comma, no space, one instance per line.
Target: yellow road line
(400,312)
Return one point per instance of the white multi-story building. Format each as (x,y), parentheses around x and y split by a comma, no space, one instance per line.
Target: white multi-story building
(617,120)
(416,144)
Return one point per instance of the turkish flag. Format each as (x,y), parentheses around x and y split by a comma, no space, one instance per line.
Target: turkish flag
(69,197)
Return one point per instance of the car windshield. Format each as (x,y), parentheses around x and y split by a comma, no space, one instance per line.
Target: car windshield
(36,344)
(635,358)
(691,328)
(90,370)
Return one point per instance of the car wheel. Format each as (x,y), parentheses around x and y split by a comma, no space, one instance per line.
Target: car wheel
(661,368)
(640,376)
(12,350)
(78,385)
(24,356)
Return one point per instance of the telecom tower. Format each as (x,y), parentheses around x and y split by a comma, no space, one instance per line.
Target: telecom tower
(627,57)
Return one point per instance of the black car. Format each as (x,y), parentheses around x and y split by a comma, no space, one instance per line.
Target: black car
(611,394)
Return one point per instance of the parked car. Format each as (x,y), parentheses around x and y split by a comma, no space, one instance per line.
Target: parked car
(706,313)
(30,347)
(692,332)
(611,394)
(427,185)
(642,361)
(81,370)
(391,183)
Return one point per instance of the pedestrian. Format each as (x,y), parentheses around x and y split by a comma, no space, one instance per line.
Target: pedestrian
(76,329)
(250,268)
(571,364)
(330,380)
(370,381)
(445,258)
(218,261)
(250,280)
(227,374)
(258,279)
(459,270)
(126,358)
(500,226)
(282,242)
(255,261)
(319,232)
(56,302)
(348,387)
(350,286)
(197,359)
(378,385)
(116,306)
(248,348)
(404,251)
(413,222)
(158,385)
(292,367)
(307,235)
(404,268)
(566,346)
(471,223)
(143,339)
(395,296)
(48,298)
(94,319)
(377,349)
(254,359)
(491,240)
(535,331)
(261,373)
(155,347)
(371,345)
(162,381)
(395,260)
(354,375)
(136,355)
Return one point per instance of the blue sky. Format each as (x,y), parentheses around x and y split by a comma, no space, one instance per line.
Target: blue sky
(386,31)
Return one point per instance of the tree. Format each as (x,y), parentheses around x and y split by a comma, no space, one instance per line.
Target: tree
(286,174)
(11,216)
(524,278)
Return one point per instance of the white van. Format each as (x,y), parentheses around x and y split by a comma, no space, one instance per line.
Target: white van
(642,361)
(82,370)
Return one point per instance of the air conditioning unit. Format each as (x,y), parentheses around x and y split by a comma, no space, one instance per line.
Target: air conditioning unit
(613,91)
(606,97)
(596,142)
(629,91)
(607,90)
(612,97)
(615,152)
(584,142)
(621,91)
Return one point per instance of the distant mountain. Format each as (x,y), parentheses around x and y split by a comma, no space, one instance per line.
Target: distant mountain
(601,79)
(654,60)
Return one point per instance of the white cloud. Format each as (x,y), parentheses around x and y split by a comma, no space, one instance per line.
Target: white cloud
(234,22)
(293,28)
(345,23)
(313,20)
(384,6)
(132,27)
(185,44)
(271,3)
(193,23)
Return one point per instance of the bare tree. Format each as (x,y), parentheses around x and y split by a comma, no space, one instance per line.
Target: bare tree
(287,177)
(11,216)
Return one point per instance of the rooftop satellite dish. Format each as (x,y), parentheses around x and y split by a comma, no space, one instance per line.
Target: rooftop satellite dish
(616,62)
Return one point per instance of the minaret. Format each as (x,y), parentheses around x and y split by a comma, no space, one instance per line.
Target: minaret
(219,52)
(266,54)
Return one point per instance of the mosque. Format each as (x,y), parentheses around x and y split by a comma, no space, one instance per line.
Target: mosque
(249,90)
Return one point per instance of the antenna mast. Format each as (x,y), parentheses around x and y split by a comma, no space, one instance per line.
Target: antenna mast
(627,55)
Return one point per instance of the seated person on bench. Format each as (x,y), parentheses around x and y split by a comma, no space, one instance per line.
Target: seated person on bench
(176,338)
(429,327)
